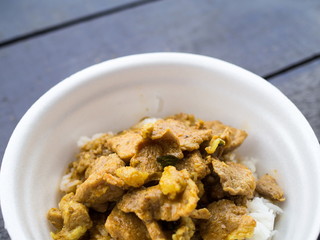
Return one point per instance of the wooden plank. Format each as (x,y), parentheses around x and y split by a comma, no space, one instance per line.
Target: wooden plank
(261,36)
(18,17)
(3,233)
(302,87)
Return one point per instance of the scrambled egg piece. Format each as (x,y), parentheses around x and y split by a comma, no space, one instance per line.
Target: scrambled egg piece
(131,176)
(245,229)
(173,182)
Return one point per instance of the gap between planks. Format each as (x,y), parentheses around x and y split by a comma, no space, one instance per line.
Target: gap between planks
(292,66)
(74,22)
(128,6)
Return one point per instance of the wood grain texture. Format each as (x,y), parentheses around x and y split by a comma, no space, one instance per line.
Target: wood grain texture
(302,87)
(261,36)
(18,17)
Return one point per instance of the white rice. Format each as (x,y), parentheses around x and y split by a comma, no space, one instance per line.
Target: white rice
(146,121)
(66,184)
(250,163)
(262,210)
(264,213)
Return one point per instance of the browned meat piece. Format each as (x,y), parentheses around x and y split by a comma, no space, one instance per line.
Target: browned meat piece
(187,119)
(98,189)
(151,204)
(146,158)
(186,229)
(170,144)
(235,178)
(124,226)
(88,154)
(76,219)
(144,202)
(125,144)
(232,136)
(202,213)
(228,221)
(102,185)
(104,164)
(155,231)
(189,137)
(98,146)
(268,187)
(195,165)
(55,218)
(79,167)
(147,153)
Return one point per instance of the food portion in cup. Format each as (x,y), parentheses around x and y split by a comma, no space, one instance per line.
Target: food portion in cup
(171,178)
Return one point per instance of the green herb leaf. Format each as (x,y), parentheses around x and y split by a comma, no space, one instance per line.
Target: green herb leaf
(167,160)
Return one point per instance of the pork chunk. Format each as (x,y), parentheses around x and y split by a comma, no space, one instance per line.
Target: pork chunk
(144,202)
(232,136)
(97,145)
(79,167)
(90,151)
(151,204)
(202,213)
(76,219)
(125,144)
(99,189)
(105,164)
(124,226)
(102,185)
(55,218)
(189,137)
(195,165)
(228,221)
(268,187)
(145,159)
(235,178)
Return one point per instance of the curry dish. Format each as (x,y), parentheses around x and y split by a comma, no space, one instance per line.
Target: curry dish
(170,178)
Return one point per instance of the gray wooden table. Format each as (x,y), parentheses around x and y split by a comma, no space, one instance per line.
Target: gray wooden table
(43,42)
